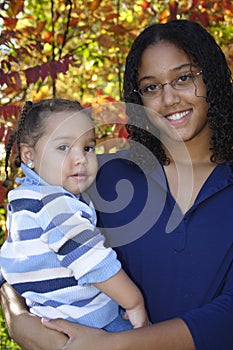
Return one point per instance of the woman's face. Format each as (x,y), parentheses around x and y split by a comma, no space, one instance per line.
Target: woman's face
(184,111)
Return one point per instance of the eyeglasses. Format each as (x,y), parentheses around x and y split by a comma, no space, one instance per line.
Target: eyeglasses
(182,82)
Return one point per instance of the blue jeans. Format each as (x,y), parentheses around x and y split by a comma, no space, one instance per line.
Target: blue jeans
(119,324)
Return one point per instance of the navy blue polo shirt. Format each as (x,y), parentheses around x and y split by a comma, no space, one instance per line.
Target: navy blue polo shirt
(185,270)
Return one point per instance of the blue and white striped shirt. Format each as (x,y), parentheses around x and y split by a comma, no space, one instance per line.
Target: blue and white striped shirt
(54,253)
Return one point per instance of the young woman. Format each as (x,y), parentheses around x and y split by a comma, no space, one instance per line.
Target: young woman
(182,257)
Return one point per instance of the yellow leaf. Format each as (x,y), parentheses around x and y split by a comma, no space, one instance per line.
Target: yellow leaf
(93,5)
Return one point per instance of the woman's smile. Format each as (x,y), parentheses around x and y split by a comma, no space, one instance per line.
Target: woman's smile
(179,117)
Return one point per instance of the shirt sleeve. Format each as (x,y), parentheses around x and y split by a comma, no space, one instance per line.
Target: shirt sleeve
(212,324)
(79,245)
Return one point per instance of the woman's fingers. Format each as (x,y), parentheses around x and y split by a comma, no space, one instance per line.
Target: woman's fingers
(59,325)
(80,337)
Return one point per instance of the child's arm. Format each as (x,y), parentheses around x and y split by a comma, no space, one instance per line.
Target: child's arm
(121,289)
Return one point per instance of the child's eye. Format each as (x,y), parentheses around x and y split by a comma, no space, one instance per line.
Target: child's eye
(89,149)
(63,148)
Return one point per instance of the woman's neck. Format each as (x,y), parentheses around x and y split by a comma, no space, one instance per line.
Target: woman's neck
(189,168)
(194,151)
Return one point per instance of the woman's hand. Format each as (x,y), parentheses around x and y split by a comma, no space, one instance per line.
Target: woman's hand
(168,335)
(80,337)
(26,329)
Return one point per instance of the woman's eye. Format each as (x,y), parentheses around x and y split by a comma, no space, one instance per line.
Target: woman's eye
(150,87)
(185,77)
(89,149)
(63,148)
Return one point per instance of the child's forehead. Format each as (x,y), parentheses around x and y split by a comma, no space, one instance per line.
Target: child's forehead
(69,117)
(69,124)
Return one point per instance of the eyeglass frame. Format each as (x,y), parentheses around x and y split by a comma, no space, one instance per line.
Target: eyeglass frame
(168,83)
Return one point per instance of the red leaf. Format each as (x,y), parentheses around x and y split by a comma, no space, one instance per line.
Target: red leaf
(195,3)
(53,70)
(62,67)
(60,38)
(10,110)
(3,193)
(111,16)
(107,9)
(40,27)
(110,99)
(10,23)
(48,37)
(73,22)
(145,5)
(173,6)
(105,40)
(123,133)
(204,19)
(118,29)
(2,77)
(44,71)
(193,17)
(32,74)
(99,92)
(2,131)
(17,7)
(17,79)
(227,4)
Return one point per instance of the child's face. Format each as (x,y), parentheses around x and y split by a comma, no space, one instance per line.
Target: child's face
(65,154)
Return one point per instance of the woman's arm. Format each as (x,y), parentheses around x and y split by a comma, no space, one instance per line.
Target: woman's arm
(168,335)
(24,328)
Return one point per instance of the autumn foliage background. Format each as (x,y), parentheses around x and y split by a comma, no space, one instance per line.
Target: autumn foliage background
(77,49)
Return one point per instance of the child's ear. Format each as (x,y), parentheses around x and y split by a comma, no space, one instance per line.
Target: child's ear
(26,153)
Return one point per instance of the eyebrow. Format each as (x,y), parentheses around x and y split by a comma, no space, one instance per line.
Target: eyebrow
(70,138)
(175,69)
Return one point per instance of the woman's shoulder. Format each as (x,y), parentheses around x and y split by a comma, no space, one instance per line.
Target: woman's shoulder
(116,162)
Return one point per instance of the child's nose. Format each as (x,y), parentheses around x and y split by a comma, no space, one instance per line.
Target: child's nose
(79,156)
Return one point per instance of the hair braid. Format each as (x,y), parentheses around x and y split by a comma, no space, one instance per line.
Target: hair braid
(26,108)
(8,153)
(15,136)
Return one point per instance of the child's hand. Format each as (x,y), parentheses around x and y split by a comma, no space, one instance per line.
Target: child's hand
(137,316)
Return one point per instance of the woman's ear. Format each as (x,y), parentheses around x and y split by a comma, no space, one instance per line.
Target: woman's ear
(26,154)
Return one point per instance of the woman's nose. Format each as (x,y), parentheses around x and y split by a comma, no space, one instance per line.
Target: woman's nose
(170,95)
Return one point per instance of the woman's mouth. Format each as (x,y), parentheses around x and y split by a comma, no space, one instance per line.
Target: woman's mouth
(178,116)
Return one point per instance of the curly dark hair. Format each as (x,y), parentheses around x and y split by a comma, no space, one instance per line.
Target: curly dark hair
(201,47)
(32,124)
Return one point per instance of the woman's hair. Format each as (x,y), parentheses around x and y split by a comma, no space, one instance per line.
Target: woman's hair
(32,124)
(202,49)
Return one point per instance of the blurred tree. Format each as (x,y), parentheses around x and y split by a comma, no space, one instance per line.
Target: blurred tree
(77,49)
